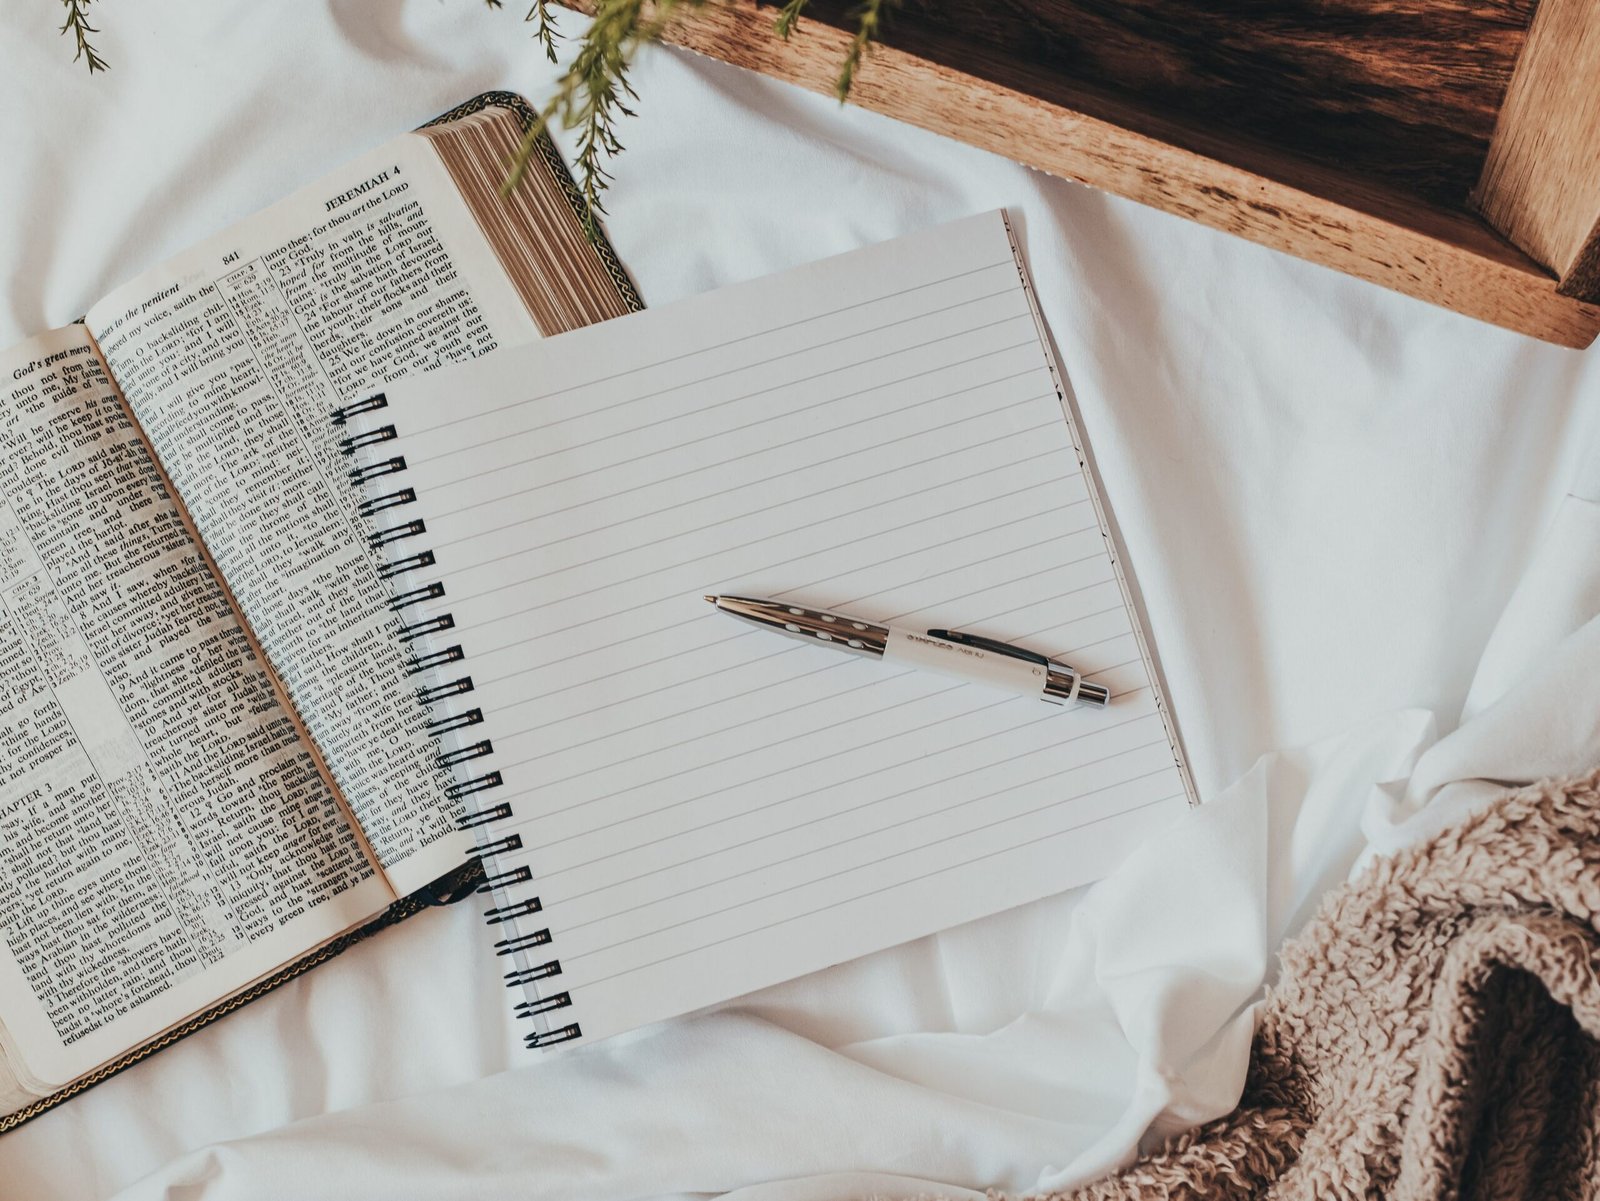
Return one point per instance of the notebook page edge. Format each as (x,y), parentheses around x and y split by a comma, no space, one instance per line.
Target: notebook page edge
(1127,578)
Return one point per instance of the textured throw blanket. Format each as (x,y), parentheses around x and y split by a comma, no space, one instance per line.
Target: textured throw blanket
(1433,1034)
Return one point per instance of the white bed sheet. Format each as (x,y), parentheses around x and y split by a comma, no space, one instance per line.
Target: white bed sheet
(1330,495)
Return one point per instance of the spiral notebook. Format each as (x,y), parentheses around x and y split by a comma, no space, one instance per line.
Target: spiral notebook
(675,809)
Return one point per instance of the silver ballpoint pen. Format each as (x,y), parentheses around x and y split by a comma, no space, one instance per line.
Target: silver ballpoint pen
(949,652)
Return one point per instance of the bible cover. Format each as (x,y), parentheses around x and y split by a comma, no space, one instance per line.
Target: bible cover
(464,881)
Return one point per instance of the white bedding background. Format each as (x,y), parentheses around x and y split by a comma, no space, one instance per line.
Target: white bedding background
(1349,513)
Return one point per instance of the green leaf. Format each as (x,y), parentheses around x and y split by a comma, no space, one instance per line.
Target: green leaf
(788,16)
(77,24)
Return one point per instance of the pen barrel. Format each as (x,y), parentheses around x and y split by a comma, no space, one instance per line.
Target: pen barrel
(965,657)
(808,625)
(1066,687)
(1021,677)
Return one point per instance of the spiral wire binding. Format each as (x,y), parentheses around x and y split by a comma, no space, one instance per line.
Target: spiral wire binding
(450,724)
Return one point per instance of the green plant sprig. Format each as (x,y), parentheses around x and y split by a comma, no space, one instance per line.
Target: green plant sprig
(594,91)
(543,22)
(869,17)
(788,17)
(77,24)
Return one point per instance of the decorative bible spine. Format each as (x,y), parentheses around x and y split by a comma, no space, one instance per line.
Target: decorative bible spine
(440,668)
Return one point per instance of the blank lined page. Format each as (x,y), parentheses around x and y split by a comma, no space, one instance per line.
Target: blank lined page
(707,808)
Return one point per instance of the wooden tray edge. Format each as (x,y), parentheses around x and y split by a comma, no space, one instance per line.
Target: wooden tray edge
(1444,258)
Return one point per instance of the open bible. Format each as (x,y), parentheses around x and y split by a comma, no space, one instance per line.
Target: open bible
(215,772)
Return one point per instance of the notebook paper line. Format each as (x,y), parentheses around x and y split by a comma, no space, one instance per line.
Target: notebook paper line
(802,796)
(887,767)
(699,469)
(834,663)
(860,896)
(738,429)
(882,678)
(747,752)
(807,734)
(740,634)
(744,513)
(656,600)
(629,581)
(739,399)
(725,697)
(897,587)
(811,587)
(661,362)
(742,398)
(720,671)
(434,458)
(571,898)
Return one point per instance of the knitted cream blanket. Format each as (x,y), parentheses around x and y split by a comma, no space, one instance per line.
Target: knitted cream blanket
(1433,1034)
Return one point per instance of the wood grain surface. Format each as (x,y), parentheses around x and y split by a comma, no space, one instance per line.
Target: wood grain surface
(1163,134)
(1403,92)
(1541,179)
(1364,227)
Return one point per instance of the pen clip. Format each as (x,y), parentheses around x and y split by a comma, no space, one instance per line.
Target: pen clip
(990,644)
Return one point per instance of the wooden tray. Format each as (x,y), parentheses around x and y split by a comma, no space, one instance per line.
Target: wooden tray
(1449,149)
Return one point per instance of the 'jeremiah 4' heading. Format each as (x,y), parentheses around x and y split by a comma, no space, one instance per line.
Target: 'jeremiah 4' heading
(364,186)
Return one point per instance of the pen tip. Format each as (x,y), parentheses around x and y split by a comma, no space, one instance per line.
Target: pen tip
(711,600)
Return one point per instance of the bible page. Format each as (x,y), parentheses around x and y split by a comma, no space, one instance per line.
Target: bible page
(165,837)
(702,808)
(233,356)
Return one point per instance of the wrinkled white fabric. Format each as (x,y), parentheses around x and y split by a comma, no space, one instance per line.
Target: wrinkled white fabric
(1347,511)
